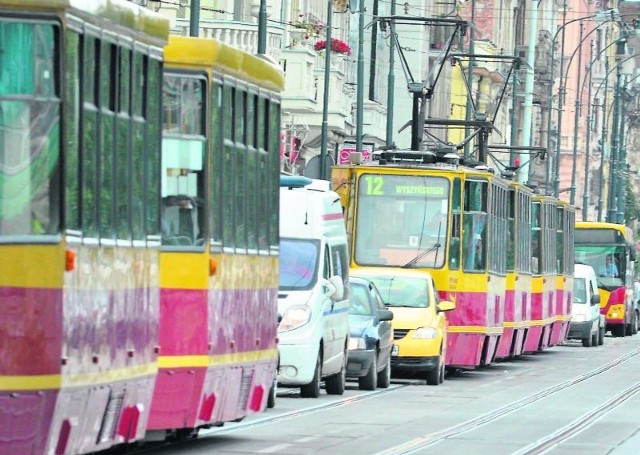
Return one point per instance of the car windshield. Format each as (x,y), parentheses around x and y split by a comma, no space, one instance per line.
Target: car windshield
(298,264)
(579,290)
(399,291)
(359,303)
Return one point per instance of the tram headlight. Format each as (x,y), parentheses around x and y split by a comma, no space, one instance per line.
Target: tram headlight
(294,317)
(425,333)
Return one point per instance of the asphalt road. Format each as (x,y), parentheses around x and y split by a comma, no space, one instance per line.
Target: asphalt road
(567,400)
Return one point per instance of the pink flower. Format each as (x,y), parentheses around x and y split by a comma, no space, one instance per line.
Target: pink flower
(337,45)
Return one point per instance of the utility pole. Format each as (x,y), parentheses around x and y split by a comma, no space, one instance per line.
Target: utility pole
(374,53)
(611,205)
(514,98)
(585,193)
(391,78)
(527,114)
(194,18)
(622,153)
(360,84)
(262,27)
(324,133)
(572,199)
(556,182)
(472,51)
(603,140)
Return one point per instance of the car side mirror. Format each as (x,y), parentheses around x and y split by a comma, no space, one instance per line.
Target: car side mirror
(335,288)
(595,299)
(445,305)
(384,315)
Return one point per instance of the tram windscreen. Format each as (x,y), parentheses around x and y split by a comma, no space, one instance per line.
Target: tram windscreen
(299,260)
(401,220)
(29,129)
(609,263)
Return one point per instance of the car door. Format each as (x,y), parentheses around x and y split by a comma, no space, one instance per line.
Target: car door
(328,334)
(385,332)
(594,309)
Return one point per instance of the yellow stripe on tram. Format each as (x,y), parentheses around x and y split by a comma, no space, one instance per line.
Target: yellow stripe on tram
(203,361)
(39,382)
(474,329)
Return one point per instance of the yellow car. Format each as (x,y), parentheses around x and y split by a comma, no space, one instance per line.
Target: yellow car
(419,324)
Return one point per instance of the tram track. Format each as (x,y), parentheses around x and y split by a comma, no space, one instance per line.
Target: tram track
(555,438)
(578,425)
(241,426)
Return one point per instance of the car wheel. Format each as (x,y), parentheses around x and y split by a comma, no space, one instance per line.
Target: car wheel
(271,399)
(336,383)
(370,381)
(600,336)
(312,390)
(586,342)
(594,339)
(441,379)
(384,377)
(634,324)
(433,376)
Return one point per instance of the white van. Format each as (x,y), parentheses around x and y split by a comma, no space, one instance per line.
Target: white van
(314,284)
(587,324)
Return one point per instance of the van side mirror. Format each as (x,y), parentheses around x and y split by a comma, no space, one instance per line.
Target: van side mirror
(595,299)
(445,305)
(384,315)
(335,288)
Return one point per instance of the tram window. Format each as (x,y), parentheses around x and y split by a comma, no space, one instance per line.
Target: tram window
(251,199)
(108,60)
(560,214)
(137,180)
(123,180)
(274,145)
(228,111)
(29,128)
(215,208)
(454,244)
(138,87)
(152,112)
(125,81)
(106,175)
(89,172)
(512,234)
(71,142)
(252,120)
(262,122)
(228,226)
(475,196)
(240,195)
(240,117)
(263,204)
(89,69)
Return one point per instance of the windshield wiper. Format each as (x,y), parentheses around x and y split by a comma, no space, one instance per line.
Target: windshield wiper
(413,261)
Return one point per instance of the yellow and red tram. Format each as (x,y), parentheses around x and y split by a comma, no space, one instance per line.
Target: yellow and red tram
(80,90)
(447,219)
(218,266)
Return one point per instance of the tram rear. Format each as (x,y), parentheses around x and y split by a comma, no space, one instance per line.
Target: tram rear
(219,266)
(79,135)
(564,221)
(447,219)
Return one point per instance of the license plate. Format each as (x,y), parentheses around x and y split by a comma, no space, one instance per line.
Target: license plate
(395,350)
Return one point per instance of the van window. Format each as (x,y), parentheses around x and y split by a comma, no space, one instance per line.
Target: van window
(579,290)
(298,264)
(340,261)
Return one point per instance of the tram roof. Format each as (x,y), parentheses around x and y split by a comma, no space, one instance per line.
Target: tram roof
(120,13)
(208,52)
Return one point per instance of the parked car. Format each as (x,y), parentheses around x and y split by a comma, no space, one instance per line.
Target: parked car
(370,336)
(587,324)
(419,324)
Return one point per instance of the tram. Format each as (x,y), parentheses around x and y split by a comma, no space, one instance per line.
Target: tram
(219,264)
(608,248)
(79,232)
(565,222)
(517,310)
(450,220)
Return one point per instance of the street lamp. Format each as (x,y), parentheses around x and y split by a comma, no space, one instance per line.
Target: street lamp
(551,78)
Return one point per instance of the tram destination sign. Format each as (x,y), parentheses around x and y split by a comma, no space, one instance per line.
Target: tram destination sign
(403,186)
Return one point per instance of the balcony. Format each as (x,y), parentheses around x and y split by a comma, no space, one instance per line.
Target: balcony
(241,34)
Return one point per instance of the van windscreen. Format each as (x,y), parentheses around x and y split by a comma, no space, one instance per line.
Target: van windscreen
(298,264)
